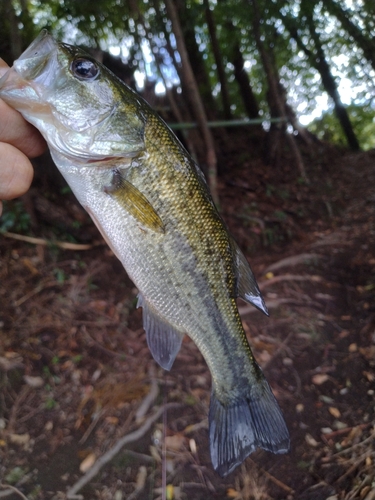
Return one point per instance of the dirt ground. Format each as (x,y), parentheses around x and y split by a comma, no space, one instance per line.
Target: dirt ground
(76,376)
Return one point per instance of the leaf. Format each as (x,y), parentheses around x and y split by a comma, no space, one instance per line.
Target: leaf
(170,492)
(334,412)
(193,445)
(20,439)
(174,442)
(34,382)
(320,378)
(326,399)
(369,375)
(87,463)
(30,266)
(299,408)
(340,425)
(232,493)
(311,441)
(368,352)
(141,477)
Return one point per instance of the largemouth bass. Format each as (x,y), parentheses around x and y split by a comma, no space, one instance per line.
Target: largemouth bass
(151,203)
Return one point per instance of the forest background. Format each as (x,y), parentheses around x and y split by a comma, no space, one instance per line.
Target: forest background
(263,60)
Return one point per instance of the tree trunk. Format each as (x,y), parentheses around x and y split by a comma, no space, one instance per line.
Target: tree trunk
(242,78)
(28,26)
(14,34)
(219,62)
(194,98)
(176,111)
(276,101)
(318,60)
(187,24)
(330,86)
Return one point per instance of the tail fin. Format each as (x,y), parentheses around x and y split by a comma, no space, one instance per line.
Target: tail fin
(238,429)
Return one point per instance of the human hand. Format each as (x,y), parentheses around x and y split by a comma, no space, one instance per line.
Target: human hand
(19,141)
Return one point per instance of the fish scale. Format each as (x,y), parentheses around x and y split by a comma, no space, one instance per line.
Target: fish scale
(207,225)
(151,203)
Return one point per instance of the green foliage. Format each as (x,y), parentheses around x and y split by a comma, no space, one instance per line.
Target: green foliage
(50,403)
(60,276)
(362,118)
(14,218)
(280,215)
(346,31)
(15,475)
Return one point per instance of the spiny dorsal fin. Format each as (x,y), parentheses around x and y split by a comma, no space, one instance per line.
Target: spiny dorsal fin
(134,202)
(247,287)
(163,340)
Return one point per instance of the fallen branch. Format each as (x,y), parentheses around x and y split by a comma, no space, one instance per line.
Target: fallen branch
(355,466)
(91,340)
(23,394)
(10,490)
(252,218)
(303,258)
(140,483)
(95,420)
(332,239)
(110,454)
(272,478)
(351,448)
(41,241)
(149,399)
(289,277)
(280,348)
(367,481)
(38,289)
(340,432)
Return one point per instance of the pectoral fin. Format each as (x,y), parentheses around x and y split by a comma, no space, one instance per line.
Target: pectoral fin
(163,340)
(247,287)
(134,202)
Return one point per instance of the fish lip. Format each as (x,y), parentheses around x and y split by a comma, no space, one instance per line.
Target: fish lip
(30,74)
(30,64)
(37,44)
(33,60)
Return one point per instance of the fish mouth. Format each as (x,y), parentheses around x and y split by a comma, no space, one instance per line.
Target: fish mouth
(35,68)
(34,59)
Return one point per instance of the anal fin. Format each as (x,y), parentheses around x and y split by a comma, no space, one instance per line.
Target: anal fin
(163,340)
(247,287)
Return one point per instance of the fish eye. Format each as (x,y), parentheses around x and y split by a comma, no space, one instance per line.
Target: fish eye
(84,69)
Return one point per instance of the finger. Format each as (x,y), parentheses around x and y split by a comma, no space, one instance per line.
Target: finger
(16,172)
(17,131)
(3,67)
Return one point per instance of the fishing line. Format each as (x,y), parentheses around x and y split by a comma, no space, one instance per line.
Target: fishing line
(164,443)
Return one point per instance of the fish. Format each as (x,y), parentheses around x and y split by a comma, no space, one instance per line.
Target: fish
(151,203)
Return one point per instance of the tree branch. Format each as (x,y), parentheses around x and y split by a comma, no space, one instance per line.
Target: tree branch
(111,453)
